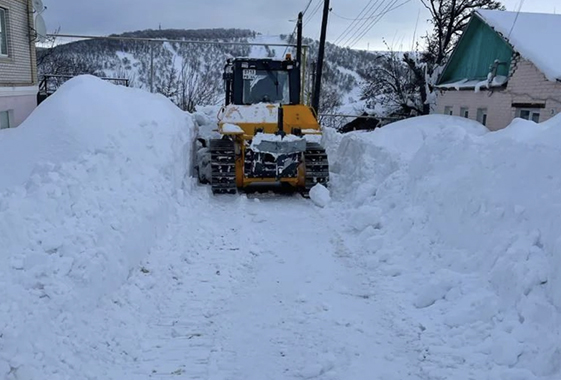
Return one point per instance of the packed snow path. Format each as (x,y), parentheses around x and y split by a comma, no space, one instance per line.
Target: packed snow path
(265,291)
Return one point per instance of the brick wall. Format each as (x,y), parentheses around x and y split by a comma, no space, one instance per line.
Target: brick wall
(526,85)
(20,67)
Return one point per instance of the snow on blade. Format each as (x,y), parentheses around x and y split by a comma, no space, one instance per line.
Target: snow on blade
(255,113)
(91,181)
(231,128)
(463,230)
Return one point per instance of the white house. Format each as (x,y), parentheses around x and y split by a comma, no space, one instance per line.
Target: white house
(18,64)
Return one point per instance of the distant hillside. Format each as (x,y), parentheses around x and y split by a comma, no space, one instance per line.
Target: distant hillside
(191,74)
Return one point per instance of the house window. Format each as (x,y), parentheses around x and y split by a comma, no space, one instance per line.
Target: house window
(529,114)
(448,110)
(464,112)
(482,115)
(5,119)
(3,33)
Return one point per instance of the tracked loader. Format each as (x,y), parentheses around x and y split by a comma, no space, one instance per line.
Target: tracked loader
(267,135)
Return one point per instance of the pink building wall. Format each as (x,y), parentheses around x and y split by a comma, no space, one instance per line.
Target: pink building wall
(527,85)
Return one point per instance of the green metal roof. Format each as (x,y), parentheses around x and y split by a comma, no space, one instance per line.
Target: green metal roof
(475,53)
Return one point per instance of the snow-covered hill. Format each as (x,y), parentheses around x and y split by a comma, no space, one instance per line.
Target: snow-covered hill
(435,256)
(185,71)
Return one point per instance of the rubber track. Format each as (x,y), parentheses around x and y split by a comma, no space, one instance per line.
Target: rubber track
(317,166)
(223,164)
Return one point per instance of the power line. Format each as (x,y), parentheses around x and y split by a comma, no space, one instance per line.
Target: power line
(314,11)
(352,19)
(195,42)
(368,25)
(371,12)
(516,18)
(391,7)
(348,28)
(291,38)
(307,6)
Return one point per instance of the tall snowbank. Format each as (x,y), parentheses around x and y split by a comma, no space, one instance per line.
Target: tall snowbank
(86,186)
(464,224)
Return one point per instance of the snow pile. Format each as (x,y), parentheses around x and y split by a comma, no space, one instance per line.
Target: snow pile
(87,184)
(533,35)
(462,224)
(375,156)
(319,194)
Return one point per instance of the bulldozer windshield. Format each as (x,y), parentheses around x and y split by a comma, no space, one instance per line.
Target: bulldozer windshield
(265,86)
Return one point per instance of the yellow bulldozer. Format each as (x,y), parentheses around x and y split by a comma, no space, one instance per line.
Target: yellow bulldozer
(267,135)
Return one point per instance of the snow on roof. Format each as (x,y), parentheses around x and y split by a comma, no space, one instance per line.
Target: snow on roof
(534,35)
(464,84)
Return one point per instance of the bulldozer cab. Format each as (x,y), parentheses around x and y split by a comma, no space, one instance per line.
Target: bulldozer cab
(262,80)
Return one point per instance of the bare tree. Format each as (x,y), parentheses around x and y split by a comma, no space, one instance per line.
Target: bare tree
(168,85)
(59,60)
(330,101)
(198,85)
(391,84)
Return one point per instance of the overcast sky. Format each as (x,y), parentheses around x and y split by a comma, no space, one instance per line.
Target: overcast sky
(398,28)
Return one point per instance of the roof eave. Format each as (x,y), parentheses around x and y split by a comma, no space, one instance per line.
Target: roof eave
(444,87)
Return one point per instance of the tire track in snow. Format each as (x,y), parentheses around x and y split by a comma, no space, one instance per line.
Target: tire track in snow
(305,311)
(265,288)
(194,269)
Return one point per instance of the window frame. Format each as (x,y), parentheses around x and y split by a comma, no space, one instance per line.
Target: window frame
(9,118)
(532,112)
(449,110)
(266,75)
(482,116)
(4,33)
(464,112)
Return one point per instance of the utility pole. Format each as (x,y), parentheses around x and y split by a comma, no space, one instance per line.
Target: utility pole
(299,57)
(299,38)
(151,67)
(321,54)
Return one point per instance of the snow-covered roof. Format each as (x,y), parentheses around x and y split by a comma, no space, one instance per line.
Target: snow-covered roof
(534,35)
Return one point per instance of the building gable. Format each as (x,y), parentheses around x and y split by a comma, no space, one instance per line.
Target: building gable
(472,60)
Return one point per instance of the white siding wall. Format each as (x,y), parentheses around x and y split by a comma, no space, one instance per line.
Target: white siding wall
(20,67)
(18,71)
(526,85)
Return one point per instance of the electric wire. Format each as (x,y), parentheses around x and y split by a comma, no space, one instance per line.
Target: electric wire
(373,11)
(368,26)
(516,18)
(291,38)
(391,7)
(346,31)
(307,7)
(314,11)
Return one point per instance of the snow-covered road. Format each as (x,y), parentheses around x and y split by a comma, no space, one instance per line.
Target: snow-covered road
(267,290)
(436,254)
